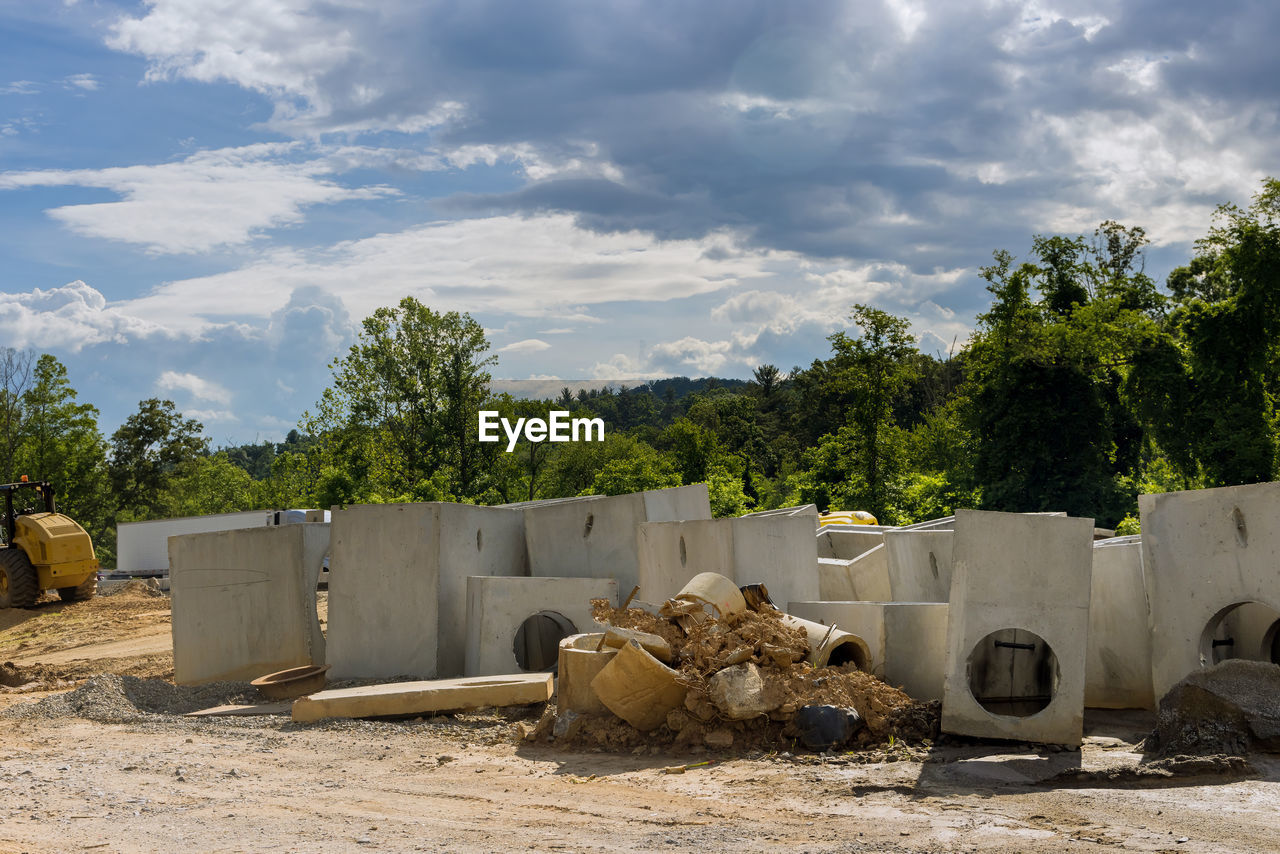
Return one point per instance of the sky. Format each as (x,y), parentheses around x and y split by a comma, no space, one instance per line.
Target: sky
(201,199)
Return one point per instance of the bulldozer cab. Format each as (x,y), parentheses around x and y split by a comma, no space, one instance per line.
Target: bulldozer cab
(23,498)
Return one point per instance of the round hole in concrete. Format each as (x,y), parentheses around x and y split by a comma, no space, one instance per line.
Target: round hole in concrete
(537,644)
(479,539)
(1246,630)
(684,553)
(849,652)
(1013,672)
(586,529)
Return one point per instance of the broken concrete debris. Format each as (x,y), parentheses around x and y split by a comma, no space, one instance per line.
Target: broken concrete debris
(418,698)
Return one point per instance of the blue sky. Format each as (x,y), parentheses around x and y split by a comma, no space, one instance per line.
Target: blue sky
(200,199)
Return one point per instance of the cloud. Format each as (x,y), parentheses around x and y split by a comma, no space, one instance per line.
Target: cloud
(208,200)
(529,345)
(69,318)
(20,87)
(86,82)
(197,387)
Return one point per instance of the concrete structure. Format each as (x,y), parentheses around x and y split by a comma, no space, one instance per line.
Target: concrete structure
(870,575)
(1250,632)
(1018,627)
(244,602)
(919,564)
(1205,552)
(946,523)
(849,542)
(419,698)
(779,551)
(498,608)
(398,574)
(907,641)
(581,658)
(597,537)
(798,510)
(142,548)
(1118,656)
(835,581)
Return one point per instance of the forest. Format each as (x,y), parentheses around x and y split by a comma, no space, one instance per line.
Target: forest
(1085,384)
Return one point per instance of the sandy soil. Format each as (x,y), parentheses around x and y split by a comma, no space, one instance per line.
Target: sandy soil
(468,783)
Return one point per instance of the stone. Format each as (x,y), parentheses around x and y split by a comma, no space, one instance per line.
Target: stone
(741,693)
(418,698)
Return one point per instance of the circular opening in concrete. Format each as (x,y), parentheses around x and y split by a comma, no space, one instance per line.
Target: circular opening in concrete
(537,645)
(586,529)
(479,539)
(1247,630)
(849,652)
(1013,672)
(684,553)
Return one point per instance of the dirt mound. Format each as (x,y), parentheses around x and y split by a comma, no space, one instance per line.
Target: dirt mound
(1229,708)
(136,589)
(33,677)
(110,698)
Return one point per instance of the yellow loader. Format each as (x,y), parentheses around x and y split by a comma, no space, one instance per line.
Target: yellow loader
(41,549)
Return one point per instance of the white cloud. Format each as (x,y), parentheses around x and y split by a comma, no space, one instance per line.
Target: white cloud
(69,318)
(211,199)
(87,82)
(214,415)
(196,386)
(529,345)
(20,87)
(548,267)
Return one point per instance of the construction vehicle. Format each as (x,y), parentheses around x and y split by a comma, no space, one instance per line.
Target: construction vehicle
(42,549)
(846,517)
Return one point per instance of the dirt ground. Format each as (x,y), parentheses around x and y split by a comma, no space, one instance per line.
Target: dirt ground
(147,781)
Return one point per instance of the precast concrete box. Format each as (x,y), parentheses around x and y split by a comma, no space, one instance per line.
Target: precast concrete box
(597,537)
(779,551)
(398,589)
(1206,553)
(244,602)
(835,581)
(516,624)
(907,640)
(870,574)
(919,564)
(1018,627)
(847,543)
(1118,658)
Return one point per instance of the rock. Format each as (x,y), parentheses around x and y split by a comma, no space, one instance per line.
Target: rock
(824,727)
(741,693)
(1228,708)
(721,739)
(567,724)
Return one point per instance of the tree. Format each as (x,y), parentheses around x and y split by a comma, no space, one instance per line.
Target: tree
(15,378)
(401,416)
(146,452)
(209,484)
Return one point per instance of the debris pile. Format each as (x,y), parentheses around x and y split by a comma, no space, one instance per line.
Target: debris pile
(1229,708)
(708,670)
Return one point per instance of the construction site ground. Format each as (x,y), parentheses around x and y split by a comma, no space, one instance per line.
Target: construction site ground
(92,762)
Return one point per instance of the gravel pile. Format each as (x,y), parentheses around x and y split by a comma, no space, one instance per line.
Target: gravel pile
(108,698)
(1230,709)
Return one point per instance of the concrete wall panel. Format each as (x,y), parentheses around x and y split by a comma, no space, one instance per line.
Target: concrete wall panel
(919,565)
(671,553)
(1029,573)
(497,607)
(1118,657)
(848,543)
(870,573)
(1203,552)
(244,602)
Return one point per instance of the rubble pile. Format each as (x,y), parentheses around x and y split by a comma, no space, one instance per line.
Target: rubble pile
(1229,709)
(730,677)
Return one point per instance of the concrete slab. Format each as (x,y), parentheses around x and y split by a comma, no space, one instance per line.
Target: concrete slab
(244,602)
(497,609)
(919,564)
(384,591)
(1018,627)
(779,551)
(1205,551)
(907,641)
(419,698)
(244,711)
(597,537)
(1118,656)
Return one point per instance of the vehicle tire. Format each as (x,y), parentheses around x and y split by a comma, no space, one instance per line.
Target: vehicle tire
(18,585)
(87,590)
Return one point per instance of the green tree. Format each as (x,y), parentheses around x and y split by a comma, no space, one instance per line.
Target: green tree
(146,452)
(209,484)
(15,379)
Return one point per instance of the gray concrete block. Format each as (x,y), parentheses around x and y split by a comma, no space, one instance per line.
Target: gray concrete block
(919,564)
(497,609)
(1018,627)
(847,543)
(1118,656)
(779,551)
(907,640)
(870,574)
(1204,552)
(598,537)
(244,602)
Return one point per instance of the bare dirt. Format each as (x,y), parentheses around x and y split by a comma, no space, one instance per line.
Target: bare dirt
(104,763)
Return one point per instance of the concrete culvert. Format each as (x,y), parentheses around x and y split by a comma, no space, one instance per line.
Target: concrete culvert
(1245,630)
(537,643)
(1013,672)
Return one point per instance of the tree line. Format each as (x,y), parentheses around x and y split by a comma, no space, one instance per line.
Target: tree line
(1083,385)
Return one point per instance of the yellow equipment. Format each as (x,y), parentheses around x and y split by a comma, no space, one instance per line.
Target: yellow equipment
(847,517)
(42,550)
